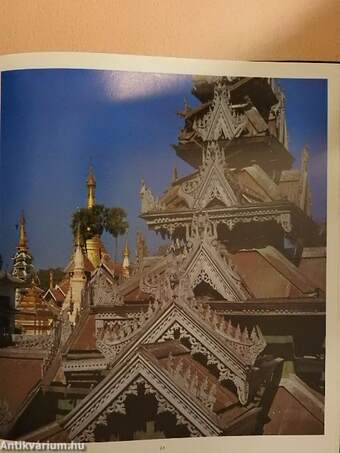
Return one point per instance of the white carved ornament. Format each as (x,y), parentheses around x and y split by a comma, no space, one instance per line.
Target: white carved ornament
(115,336)
(213,182)
(83,423)
(187,378)
(149,202)
(222,119)
(118,406)
(227,368)
(104,292)
(206,260)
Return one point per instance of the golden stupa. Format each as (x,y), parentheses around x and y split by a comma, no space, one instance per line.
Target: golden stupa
(94,246)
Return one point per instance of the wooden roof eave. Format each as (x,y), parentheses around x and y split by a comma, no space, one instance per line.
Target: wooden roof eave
(312,306)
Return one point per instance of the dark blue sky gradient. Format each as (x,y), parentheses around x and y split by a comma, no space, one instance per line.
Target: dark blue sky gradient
(54,121)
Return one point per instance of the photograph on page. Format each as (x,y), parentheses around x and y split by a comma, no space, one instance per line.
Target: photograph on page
(164,244)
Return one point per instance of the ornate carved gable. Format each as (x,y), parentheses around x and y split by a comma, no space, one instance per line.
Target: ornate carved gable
(177,315)
(148,201)
(111,394)
(103,291)
(212,182)
(215,187)
(221,121)
(206,260)
(206,265)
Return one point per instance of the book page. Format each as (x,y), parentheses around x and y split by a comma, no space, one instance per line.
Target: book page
(169,244)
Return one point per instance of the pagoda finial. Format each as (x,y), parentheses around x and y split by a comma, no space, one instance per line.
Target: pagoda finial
(304,158)
(186,105)
(91,188)
(78,254)
(126,252)
(126,260)
(22,245)
(174,174)
(51,279)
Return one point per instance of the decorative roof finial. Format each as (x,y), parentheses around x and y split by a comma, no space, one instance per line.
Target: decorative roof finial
(91,188)
(126,252)
(174,174)
(186,106)
(51,284)
(22,245)
(126,260)
(304,158)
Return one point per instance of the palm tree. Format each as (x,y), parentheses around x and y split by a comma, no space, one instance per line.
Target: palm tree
(93,221)
(90,220)
(115,223)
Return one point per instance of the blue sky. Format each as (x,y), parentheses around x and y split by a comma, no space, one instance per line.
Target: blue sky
(55,121)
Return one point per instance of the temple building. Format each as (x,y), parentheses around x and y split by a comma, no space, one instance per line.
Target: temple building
(9,285)
(94,247)
(33,315)
(22,261)
(126,261)
(221,335)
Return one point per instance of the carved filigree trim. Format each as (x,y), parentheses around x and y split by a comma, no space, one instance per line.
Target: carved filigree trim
(118,406)
(188,379)
(222,119)
(202,266)
(149,202)
(230,217)
(104,292)
(31,342)
(115,336)
(85,364)
(214,182)
(83,425)
(205,347)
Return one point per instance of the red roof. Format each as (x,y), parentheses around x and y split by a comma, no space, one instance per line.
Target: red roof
(313,265)
(86,339)
(295,409)
(269,274)
(19,376)
(58,295)
(64,285)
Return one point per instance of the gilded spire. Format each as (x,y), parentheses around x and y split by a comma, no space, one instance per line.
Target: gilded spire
(78,254)
(22,245)
(126,260)
(51,283)
(126,252)
(91,188)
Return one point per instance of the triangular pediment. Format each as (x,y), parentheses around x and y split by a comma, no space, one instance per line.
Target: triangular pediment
(214,186)
(103,290)
(231,350)
(223,124)
(214,182)
(205,264)
(221,121)
(111,394)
